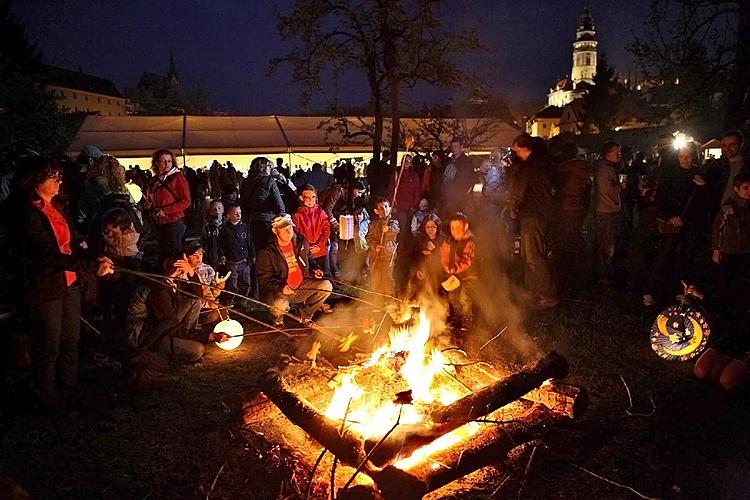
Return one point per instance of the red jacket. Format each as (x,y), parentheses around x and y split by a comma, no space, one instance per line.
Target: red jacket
(312,223)
(172,196)
(409,189)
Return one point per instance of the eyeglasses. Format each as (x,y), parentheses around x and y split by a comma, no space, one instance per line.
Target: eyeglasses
(55,175)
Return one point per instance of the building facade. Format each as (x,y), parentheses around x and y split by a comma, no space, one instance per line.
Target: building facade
(78,92)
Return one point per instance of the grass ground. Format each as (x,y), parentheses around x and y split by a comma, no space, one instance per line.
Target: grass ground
(171,443)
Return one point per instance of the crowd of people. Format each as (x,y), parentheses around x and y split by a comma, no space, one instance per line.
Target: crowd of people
(161,255)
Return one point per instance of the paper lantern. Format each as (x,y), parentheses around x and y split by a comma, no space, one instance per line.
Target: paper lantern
(232,328)
(680,333)
(346,227)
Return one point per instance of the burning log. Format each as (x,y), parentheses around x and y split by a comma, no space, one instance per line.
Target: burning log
(347,445)
(406,439)
(490,446)
(565,399)
(487,447)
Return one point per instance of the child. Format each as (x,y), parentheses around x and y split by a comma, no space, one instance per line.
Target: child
(381,241)
(312,223)
(210,233)
(731,237)
(119,236)
(420,215)
(237,253)
(458,259)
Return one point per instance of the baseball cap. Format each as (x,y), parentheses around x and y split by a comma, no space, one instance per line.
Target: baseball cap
(281,221)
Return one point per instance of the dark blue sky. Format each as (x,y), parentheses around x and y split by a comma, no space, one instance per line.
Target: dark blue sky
(226,44)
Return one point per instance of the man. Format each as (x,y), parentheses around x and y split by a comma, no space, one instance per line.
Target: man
(408,194)
(719,173)
(283,272)
(530,201)
(457,257)
(458,178)
(607,206)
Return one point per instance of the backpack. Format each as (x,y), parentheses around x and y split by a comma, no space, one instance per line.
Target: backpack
(121,201)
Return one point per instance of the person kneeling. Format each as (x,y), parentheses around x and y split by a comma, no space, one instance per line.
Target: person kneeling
(171,310)
(283,274)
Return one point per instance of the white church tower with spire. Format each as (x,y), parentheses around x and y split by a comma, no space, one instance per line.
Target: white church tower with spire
(568,89)
(584,51)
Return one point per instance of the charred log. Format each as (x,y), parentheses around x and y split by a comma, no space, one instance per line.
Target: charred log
(404,440)
(347,445)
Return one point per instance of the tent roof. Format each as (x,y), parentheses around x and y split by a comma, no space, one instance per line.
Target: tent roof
(142,135)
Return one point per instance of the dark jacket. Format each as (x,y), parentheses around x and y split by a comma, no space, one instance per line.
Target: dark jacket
(272,270)
(678,196)
(260,198)
(43,264)
(717,173)
(530,190)
(572,187)
(210,242)
(235,242)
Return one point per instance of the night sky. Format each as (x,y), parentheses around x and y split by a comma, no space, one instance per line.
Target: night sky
(226,44)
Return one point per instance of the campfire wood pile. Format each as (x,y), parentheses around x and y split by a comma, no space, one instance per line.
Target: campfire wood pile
(512,408)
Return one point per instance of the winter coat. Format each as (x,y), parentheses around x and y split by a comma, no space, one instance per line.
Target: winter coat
(260,198)
(458,256)
(375,237)
(572,187)
(409,189)
(608,189)
(42,263)
(171,195)
(235,242)
(314,225)
(530,190)
(272,270)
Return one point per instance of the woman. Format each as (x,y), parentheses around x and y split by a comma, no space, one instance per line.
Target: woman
(106,177)
(260,200)
(50,264)
(428,269)
(168,197)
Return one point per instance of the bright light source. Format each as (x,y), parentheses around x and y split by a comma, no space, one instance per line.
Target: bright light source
(681,140)
(235,331)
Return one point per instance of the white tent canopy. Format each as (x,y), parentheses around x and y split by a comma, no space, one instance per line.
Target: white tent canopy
(139,136)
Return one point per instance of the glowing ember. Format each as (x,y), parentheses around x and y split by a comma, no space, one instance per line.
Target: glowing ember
(406,364)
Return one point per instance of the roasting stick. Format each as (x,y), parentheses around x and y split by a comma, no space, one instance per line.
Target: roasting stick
(158,279)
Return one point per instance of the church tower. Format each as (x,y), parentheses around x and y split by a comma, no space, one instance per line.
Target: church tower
(173,80)
(584,50)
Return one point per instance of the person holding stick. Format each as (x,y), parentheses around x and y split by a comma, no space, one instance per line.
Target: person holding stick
(381,238)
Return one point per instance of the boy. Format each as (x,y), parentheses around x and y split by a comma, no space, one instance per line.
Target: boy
(457,255)
(731,237)
(381,241)
(237,253)
(210,233)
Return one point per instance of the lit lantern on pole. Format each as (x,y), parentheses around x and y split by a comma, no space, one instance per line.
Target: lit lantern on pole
(233,329)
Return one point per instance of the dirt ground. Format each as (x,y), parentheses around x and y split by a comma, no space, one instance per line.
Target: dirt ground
(187,442)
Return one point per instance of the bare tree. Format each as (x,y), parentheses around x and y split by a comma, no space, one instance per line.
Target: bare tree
(696,54)
(395,44)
